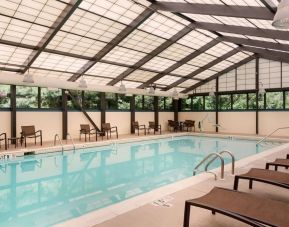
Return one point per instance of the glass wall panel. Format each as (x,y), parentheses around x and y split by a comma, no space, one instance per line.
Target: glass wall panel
(50,98)
(225,102)
(124,102)
(261,100)
(91,100)
(274,100)
(26,97)
(198,102)
(252,101)
(4,96)
(148,103)
(111,101)
(186,104)
(210,102)
(239,101)
(73,102)
(138,102)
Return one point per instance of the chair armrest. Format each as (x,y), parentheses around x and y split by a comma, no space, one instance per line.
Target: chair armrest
(114,127)
(143,126)
(38,131)
(3,134)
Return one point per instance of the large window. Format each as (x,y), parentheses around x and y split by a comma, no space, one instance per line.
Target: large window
(274,100)
(252,101)
(124,102)
(286,99)
(26,97)
(111,101)
(50,98)
(91,100)
(186,104)
(4,96)
(239,101)
(198,102)
(261,101)
(74,100)
(138,102)
(210,102)
(148,103)
(225,102)
(165,103)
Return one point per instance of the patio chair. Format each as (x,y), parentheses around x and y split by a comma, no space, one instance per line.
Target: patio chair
(3,137)
(86,130)
(265,176)
(173,125)
(138,127)
(245,207)
(189,125)
(29,132)
(106,128)
(154,127)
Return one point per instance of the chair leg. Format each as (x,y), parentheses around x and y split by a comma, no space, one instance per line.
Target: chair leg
(250,184)
(187,215)
(116,134)
(267,165)
(25,141)
(35,140)
(236,183)
(41,140)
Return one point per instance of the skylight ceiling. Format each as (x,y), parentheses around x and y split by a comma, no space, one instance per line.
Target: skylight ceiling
(109,41)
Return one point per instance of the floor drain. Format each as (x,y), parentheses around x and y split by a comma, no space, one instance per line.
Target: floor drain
(163,202)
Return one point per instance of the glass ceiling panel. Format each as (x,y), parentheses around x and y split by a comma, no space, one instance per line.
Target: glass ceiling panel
(93,80)
(179,89)
(202,60)
(233,35)
(58,62)
(261,39)
(124,11)
(124,56)
(194,40)
(158,64)
(49,74)
(202,18)
(238,57)
(188,83)
(221,66)
(265,24)
(236,21)
(204,75)
(205,1)
(142,41)
(106,70)
(176,52)
(243,2)
(140,75)
(185,69)
(75,44)
(219,49)
(161,26)
(129,84)
(13,55)
(21,31)
(92,26)
(167,80)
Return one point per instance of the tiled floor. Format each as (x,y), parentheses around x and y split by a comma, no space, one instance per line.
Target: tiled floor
(152,216)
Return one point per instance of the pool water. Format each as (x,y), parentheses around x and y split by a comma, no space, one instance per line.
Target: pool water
(42,190)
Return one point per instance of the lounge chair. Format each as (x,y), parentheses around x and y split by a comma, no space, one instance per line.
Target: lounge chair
(3,137)
(189,125)
(154,127)
(29,132)
(86,130)
(138,127)
(279,162)
(245,207)
(264,175)
(106,128)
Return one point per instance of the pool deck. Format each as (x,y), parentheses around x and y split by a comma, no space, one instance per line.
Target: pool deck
(139,211)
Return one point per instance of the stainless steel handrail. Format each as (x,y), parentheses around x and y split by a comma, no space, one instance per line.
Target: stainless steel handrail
(264,138)
(206,158)
(72,141)
(223,152)
(60,141)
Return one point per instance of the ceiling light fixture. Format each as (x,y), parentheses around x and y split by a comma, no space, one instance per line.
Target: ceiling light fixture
(82,83)
(175,94)
(262,90)
(281,18)
(122,87)
(151,90)
(212,93)
(28,78)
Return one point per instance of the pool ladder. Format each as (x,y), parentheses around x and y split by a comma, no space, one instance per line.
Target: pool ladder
(72,141)
(56,136)
(211,158)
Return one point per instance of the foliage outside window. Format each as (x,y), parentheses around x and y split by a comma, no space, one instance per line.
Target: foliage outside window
(210,102)
(111,101)
(50,98)
(186,104)
(165,103)
(198,102)
(138,102)
(252,101)
(286,99)
(148,103)
(239,101)
(225,102)
(124,102)
(274,100)
(261,99)
(4,96)
(91,100)
(74,100)
(26,97)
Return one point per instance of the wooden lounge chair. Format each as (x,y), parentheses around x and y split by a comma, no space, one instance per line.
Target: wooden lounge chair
(245,207)
(108,129)
(264,175)
(154,127)
(279,162)
(86,130)
(138,127)
(3,137)
(189,125)
(29,132)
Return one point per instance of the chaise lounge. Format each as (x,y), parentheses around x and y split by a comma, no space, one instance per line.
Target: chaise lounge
(279,162)
(245,207)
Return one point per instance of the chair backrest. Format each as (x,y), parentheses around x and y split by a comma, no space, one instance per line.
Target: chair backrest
(106,126)
(151,124)
(171,123)
(28,130)
(85,128)
(135,124)
(189,123)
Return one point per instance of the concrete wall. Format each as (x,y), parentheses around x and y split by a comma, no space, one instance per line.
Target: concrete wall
(269,121)
(163,119)
(5,122)
(209,118)
(119,119)
(143,118)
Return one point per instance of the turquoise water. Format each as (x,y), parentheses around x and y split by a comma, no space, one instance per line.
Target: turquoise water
(43,190)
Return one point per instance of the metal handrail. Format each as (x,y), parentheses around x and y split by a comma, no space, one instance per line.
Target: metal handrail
(217,155)
(72,141)
(60,141)
(264,138)
(223,152)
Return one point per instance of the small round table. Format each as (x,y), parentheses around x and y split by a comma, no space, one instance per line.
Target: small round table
(15,140)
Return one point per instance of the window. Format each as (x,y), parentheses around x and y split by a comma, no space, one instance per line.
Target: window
(261,101)
(210,102)
(124,102)
(239,101)
(186,104)
(91,100)
(4,96)
(252,101)
(74,100)
(148,103)
(198,102)
(111,101)
(138,102)
(274,100)
(50,98)
(225,102)
(286,99)
(26,97)
(165,103)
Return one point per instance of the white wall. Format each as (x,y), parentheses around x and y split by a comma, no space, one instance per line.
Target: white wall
(143,118)
(209,118)
(163,119)
(119,119)
(5,122)
(49,122)
(237,122)
(269,121)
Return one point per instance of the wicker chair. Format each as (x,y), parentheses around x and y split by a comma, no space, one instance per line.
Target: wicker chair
(138,127)
(29,132)
(3,137)
(106,128)
(154,127)
(86,130)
